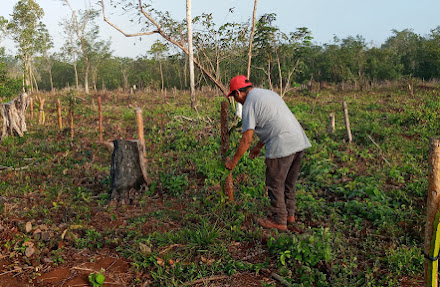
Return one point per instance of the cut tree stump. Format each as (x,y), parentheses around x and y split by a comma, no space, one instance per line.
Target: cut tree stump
(13,113)
(128,172)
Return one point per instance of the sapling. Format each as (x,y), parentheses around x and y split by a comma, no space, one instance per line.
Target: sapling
(96,279)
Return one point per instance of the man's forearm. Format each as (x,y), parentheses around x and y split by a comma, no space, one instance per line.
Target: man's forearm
(259,145)
(244,145)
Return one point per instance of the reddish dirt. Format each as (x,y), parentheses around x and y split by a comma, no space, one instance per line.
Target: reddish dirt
(116,271)
(8,279)
(236,280)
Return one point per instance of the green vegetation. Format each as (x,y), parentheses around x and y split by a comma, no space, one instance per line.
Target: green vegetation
(360,216)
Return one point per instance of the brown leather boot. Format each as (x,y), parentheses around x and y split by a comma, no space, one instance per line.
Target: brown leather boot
(269,223)
(291,219)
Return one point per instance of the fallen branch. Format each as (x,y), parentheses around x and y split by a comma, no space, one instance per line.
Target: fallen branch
(169,247)
(253,255)
(280,279)
(7,272)
(381,153)
(206,280)
(185,118)
(2,167)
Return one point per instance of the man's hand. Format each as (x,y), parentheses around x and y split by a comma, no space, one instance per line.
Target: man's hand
(244,145)
(255,151)
(229,164)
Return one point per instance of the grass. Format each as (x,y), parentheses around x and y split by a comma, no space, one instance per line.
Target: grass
(362,217)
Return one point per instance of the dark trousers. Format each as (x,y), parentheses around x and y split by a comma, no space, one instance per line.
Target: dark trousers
(281,176)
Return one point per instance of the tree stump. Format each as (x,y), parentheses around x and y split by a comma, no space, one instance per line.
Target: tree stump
(128,172)
(13,113)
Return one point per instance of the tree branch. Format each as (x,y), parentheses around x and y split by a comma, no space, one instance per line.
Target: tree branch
(169,39)
(119,29)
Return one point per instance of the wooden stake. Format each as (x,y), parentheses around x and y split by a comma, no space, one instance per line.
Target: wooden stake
(347,122)
(41,119)
(332,124)
(224,115)
(432,208)
(32,108)
(71,106)
(60,119)
(100,119)
(140,125)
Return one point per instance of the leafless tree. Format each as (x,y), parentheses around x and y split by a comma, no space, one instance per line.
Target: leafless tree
(168,37)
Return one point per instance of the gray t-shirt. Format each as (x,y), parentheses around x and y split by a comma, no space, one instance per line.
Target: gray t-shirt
(267,114)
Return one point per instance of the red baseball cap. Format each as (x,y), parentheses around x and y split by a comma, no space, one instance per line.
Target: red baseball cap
(238,82)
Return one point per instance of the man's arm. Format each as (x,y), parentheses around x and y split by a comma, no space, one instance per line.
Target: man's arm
(255,151)
(245,143)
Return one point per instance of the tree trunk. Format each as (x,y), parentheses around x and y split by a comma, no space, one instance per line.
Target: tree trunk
(251,39)
(224,115)
(269,68)
(190,53)
(161,76)
(128,173)
(76,74)
(13,114)
(86,75)
(51,79)
(280,74)
(432,214)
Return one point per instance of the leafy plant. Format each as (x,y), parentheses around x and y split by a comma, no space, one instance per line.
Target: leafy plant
(96,279)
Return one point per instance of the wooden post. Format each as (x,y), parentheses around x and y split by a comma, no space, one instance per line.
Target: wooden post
(432,209)
(140,126)
(32,108)
(71,106)
(100,119)
(14,114)
(41,119)
(347,122)
(224,115)
(60,119)
(332,124)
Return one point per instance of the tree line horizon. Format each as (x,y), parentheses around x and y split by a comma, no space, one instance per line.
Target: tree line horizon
(281,60)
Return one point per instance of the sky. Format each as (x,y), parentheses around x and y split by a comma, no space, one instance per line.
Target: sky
(373,19)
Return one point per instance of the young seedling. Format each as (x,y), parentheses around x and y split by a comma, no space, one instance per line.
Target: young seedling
(96,279)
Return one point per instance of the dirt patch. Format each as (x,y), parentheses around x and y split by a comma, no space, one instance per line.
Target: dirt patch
(8,279)
(236,280)
(116,271)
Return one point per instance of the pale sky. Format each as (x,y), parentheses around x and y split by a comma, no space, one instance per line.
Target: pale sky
(373,19)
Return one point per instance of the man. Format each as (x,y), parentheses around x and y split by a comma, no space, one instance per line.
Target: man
(266,114)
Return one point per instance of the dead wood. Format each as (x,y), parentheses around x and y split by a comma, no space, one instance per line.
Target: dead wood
(128,172)
(13,114)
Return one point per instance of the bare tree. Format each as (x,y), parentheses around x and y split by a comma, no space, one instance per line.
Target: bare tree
(190,53)
(80,27)
(251,40)
(167,36)
(70,49)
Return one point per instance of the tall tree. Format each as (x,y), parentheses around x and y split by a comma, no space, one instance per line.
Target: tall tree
(9,86)
(166,28)
(190,53)
(251,39)
(290,54)
(70,49)
(406,45)
(86,31)
(265,42)
(26,18)
(158,49)
(44,44)
(99,51)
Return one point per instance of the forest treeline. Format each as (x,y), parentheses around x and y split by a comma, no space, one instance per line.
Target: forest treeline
(281,60)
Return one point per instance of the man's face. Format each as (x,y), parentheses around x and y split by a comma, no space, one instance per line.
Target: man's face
(235,94)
